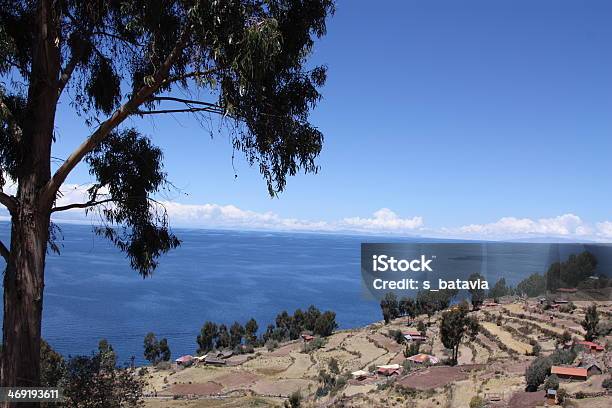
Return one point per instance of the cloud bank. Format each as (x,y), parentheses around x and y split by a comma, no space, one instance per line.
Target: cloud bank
(383,221)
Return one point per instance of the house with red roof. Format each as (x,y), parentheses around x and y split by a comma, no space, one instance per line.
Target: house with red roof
(592,347)
(571,373)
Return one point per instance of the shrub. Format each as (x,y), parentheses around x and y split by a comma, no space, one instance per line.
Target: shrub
(607,383)
(477,402)
(536,373)
(552,382)
(313,345)
(412,349)
(294,401)
(397,336)
(271,345)
(563,357)
(561,395)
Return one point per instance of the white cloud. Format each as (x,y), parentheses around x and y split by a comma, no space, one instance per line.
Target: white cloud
(563,225)
(383,221)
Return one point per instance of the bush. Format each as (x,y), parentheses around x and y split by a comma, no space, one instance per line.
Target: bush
(294,401)
(325,324)
(397,336)
(536,373)
(477,402)
(412,349)
(607,383)
(552,382)
(563,357)
(313,345)
(271,345)
(561,394)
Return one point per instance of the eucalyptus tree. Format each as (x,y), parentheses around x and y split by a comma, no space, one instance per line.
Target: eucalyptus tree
(244,60)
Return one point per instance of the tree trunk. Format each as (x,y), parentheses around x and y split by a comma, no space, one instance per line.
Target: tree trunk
(23,300)
(24,275)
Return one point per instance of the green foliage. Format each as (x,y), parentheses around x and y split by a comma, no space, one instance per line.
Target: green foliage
(500,289)
(325,324)
(607,383)
(250,332)
(421,327)
(552,382)
(91,381)
(250,58)
(151,348)
(563,357)
(332,364)
(570,273)
(206,338)
(389,307)
(271,345)
(407,307)
(477,402)
(396,335)
(129,167)
(164,350)
(313,345)
(561,395)
(477,296)
(537,372)
(411,349)
(590,322)
(429,302)
(52,366)
(532,286)
(454,325)
(294,401)
(223,339)
(236,334)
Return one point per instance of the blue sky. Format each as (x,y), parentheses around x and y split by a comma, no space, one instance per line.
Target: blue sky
(446,113)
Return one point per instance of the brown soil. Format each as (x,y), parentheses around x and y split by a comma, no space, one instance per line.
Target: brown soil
(207,388)
(435,377)
(524,399)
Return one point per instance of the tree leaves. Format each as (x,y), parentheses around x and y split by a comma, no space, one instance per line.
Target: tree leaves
(130,168)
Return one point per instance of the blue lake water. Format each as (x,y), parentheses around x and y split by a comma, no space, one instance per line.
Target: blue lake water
(91,292)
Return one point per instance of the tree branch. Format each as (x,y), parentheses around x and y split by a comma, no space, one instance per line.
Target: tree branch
(4,251)
(66,74)
(190,75)
(185,101)
(186,110)
(53,185)
(81,205)
(9,202)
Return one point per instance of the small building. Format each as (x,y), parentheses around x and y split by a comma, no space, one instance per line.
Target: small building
(566,290)
(570,373)
(225,354)
(551,396)
(360,375)
(590,346)
(422,358)
(212,360)
(388,370)
(592,366)
(307,337)
(184,360)
(414,335)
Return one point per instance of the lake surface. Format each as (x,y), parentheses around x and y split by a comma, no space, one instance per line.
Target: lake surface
(223,276)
